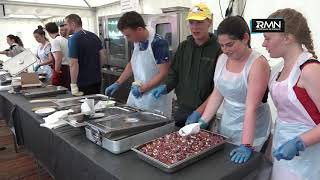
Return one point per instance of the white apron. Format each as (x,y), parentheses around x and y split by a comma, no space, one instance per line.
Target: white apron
(306,166)
(144,68)
(42,54)
(233,87)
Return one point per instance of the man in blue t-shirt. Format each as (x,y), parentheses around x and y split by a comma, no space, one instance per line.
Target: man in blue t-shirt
(149,64)
(86,54)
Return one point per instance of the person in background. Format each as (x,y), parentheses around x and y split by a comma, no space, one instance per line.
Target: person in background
(16,46)
(241,81)
(149,65)
(63,31)
(295,87)
(59,49)
(43,53)
(86,54)
(192,68)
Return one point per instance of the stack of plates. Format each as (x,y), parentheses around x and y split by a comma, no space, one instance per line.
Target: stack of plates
(43,112)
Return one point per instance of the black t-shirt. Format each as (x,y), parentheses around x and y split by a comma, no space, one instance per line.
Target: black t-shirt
(85,47)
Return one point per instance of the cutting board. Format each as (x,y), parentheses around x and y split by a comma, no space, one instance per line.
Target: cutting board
(30,80)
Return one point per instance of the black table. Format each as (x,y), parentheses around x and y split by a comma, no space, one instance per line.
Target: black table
(67,154)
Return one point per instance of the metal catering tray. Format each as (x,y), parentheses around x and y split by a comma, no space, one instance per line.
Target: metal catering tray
(67,102)
(114,127)
(125,144)
(44,91)
(180,164)
(78,119)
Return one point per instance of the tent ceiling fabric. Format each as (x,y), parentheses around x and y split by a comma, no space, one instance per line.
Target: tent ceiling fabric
(81,3)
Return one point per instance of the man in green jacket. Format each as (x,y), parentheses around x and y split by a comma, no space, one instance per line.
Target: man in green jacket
(192,69)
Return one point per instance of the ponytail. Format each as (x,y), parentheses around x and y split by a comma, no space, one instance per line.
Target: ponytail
(16,39)
(308,43)
(40,31)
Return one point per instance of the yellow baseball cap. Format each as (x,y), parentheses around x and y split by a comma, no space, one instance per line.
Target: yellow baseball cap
(199,12)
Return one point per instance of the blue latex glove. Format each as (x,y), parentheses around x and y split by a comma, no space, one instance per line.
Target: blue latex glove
(203,123)
(135,90)
(241,154)
(193,118)
(159,91)
(289,149)
(110,90)
(36,68)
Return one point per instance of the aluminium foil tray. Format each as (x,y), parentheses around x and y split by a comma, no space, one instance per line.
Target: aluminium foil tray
(128,124)
(180,164)
(44,91)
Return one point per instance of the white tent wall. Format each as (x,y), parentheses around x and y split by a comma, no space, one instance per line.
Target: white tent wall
(88,23)
(154,7)
(48,10)
(110,9)
(21,27)
(56,12)
(146,6)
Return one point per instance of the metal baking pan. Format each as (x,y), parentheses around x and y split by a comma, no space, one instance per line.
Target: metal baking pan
(67,102)
(44,91)
(78,119)
(180,164)
(124,144)
(128,124)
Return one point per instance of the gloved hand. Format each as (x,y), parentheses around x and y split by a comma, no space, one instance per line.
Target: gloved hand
(241,154)
(36,68)
(193,118)
(75,90)
(203,123)
(110,90)
(289,149)
(135,90)
(56,78)
(159,91)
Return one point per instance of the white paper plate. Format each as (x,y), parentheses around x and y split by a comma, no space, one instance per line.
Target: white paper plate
(45,111)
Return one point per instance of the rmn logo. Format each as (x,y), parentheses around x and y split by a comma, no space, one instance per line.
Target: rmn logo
(267,25)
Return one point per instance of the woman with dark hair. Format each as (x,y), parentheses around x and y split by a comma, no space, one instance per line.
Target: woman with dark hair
(294,87)
(43,53)
(16,46)
(241,79)
(59,50)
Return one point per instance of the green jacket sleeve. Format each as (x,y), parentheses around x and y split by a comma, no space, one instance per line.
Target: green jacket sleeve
(173,75)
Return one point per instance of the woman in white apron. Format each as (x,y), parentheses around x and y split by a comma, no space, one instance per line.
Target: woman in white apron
(241,79)
(295,90)
(43,53)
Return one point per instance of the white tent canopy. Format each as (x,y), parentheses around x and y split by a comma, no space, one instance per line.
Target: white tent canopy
(44,9)
(80,3)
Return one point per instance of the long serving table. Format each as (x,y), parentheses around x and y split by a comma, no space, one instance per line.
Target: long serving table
(67,154)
